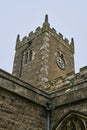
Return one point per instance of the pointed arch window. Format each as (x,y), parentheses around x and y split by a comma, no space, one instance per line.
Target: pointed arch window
(72,120)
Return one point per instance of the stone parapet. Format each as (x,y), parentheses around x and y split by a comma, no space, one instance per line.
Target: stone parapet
(19,87)
(45,28)
(70,80)
(60,91)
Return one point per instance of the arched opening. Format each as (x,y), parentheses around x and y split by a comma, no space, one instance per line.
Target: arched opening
(72,121)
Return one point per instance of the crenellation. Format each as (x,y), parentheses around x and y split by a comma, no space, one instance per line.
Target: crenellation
(69,80)
(38,29)
(24,39)
(37,32)
(66,41)
(81,75)
(20,43)
(77,77)
(61,39)
(54,31)
(60,36)
(31,34)
(83,70)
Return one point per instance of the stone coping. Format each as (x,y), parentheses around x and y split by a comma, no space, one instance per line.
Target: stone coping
(17,86)
(66,94)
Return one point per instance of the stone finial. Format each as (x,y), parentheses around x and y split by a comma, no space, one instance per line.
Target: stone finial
(46,18)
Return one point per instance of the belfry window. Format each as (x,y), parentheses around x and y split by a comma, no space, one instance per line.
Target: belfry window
(30,55)
(26,58)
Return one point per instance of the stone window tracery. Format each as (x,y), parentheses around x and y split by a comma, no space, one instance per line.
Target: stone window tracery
(28,56)
(74,124)
(72,120)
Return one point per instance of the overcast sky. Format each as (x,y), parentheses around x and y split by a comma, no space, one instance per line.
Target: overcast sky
(68,17)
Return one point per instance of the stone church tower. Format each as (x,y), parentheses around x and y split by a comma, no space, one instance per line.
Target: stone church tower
(43,92)
(43,56)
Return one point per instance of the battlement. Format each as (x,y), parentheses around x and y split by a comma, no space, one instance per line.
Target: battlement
(25,39)
(70,80)
(45,28)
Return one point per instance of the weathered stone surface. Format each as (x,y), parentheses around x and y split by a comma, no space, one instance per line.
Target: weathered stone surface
(40,93)
(19,87)
(45,43)
(23,106)
(18,113)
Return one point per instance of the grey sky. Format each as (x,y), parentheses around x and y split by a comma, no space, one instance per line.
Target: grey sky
(68,17)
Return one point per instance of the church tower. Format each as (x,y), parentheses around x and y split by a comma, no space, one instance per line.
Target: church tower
(43,56)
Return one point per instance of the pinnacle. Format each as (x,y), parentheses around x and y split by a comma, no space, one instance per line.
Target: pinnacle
(46,23)
(46,18)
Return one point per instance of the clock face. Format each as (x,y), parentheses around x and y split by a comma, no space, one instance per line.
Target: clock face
(60,62)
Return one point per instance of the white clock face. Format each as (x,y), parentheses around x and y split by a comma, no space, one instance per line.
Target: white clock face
(60,62)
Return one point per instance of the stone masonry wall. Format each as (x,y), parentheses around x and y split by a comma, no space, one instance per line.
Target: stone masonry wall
(58,112)
(23,106)
(17,113)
